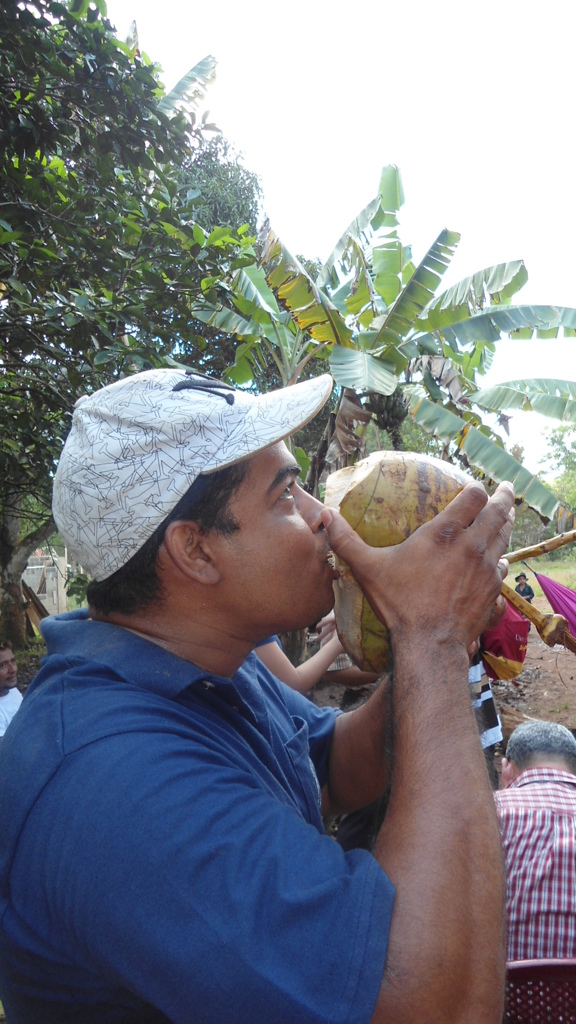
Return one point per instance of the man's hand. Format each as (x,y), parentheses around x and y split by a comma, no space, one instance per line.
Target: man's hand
(445,579)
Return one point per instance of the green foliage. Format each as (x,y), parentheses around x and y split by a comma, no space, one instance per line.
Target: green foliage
(386,321)
(562,448)
(100,251)
(76,586)
(229,192)
(101,256)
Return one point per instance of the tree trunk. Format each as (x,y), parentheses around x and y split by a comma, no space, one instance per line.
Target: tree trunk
(12,614)
(294,645)
(14,554)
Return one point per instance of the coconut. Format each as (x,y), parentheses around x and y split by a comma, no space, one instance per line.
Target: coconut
(385,497)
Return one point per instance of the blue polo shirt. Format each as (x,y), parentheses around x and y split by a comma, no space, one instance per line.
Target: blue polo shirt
(162,856)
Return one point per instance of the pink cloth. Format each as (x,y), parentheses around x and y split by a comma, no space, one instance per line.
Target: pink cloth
(561,599)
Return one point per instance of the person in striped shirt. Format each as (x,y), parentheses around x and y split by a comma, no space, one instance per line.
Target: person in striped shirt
(537,812)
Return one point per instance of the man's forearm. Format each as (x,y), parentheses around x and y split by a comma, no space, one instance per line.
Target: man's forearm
(360,755)
(440,846)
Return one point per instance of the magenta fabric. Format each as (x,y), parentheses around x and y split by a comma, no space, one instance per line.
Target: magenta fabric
(561,599)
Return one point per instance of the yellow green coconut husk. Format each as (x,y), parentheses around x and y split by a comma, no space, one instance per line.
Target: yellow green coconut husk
(385,497)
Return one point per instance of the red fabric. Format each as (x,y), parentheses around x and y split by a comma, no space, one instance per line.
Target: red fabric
(537,814)
(508,639)
(561,599)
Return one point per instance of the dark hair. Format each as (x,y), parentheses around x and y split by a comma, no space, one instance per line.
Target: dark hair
(536,738)
(5,645)
(137,583)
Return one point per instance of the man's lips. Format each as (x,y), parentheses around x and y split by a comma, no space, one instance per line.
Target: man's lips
(331,561)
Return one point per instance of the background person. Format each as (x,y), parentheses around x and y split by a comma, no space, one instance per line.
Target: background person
(10,696)
(165,858)
(537,812)
(523,587)
(525,590)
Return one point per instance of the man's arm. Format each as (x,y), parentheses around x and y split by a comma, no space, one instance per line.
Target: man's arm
(440,839)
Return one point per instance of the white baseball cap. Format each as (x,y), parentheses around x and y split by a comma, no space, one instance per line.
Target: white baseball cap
(136,446)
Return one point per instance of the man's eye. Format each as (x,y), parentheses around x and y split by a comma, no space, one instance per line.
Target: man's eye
(288,491)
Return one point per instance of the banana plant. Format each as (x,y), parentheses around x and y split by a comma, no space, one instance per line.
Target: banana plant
(396,342)
(397,330)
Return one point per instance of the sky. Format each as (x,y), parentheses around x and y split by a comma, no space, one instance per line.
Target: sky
(473,102)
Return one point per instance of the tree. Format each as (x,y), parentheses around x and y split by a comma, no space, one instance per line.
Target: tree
(562,445)
(226,193)
(229,192)
(562,448)
(100,252)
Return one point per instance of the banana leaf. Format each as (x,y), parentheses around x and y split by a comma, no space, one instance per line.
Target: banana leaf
(496,285)
(381,210)
(191,89)
(417,294)
(310,306)
(362,301)
(492,459)
(226,320)
(523,322)
(553,398)
(361,371)
(355,229)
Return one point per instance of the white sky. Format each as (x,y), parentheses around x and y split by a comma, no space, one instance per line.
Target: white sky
(474,102)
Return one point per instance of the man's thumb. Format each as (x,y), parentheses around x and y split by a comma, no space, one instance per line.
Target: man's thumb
(346,543)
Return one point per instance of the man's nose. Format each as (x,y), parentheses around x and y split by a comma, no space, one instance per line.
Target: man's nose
(310,509)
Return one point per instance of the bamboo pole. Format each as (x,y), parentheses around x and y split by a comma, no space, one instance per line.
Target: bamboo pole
(541,549)
(553,629)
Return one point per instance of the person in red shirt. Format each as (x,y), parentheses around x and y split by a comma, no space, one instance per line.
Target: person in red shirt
(537,812)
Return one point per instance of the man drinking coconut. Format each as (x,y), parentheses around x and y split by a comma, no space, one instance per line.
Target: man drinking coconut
(162,855)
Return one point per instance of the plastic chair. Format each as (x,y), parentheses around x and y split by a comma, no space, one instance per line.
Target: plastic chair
(540,992)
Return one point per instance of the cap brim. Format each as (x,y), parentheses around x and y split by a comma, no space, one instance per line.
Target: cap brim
(272,418)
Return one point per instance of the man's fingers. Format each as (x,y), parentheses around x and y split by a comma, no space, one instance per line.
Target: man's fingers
(466,506)
(496,519)
(474,505)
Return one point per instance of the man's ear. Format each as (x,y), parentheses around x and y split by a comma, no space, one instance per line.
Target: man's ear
(509,772)
(192,552)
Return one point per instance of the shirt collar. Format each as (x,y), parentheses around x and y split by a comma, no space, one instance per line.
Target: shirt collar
(530,775)
(135,659)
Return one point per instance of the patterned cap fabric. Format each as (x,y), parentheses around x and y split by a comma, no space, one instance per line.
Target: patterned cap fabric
(136,446)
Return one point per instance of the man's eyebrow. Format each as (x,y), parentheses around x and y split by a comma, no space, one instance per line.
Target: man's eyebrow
(290,470)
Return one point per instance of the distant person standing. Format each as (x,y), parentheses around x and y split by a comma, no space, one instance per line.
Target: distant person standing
(523,587)
(10,697)
(537,812)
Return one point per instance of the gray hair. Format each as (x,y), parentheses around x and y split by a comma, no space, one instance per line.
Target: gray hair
(533,738)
